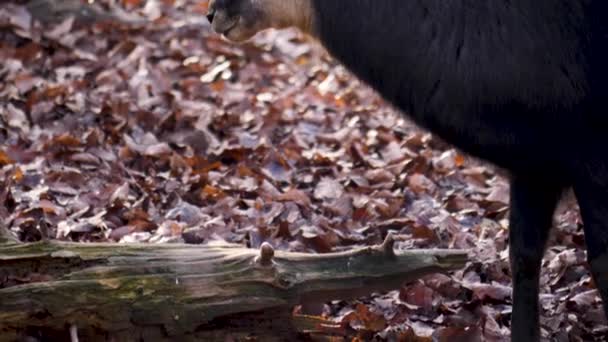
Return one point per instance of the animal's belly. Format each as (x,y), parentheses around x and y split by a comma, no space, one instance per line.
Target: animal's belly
(516,140)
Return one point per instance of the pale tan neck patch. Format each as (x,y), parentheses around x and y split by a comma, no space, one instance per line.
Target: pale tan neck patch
(290,13)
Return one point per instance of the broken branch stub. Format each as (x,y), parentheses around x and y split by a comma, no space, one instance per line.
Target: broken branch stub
(266,254)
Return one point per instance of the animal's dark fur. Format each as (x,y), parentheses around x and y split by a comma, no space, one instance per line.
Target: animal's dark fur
(520,83)
(514,82)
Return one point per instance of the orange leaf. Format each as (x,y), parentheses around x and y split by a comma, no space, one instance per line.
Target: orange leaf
(18,174)
(459,160)
(201,6)
(212,192)
(131,3)
(5,159)
(66,140)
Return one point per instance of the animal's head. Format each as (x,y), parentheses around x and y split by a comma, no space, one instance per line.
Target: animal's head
(239,20)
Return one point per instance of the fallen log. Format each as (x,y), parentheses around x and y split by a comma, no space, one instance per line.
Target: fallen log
(181,292)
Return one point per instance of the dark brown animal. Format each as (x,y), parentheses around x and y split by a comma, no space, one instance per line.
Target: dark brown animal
(519,83)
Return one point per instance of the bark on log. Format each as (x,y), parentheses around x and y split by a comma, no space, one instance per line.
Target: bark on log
(181,292)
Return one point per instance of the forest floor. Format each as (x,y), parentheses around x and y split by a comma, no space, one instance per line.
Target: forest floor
(148,127)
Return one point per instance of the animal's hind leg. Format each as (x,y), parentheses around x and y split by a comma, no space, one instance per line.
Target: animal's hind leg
(592,195)
(533,201)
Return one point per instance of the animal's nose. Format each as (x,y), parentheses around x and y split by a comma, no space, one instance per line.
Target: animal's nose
(210,15)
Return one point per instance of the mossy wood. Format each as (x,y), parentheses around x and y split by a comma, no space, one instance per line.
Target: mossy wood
(156,292)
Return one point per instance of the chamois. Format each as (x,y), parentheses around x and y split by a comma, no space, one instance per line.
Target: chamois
(518,83)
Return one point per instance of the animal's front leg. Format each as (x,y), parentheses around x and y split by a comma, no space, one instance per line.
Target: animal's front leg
(533,202)
(591,190)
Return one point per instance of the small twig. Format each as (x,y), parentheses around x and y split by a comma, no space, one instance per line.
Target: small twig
(5,233)
(388,245)
(44,229)
(73,333)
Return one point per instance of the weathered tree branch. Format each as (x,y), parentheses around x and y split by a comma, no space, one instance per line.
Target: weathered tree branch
(170,291)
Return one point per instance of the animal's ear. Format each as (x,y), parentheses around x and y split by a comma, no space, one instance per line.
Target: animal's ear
(211,11)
